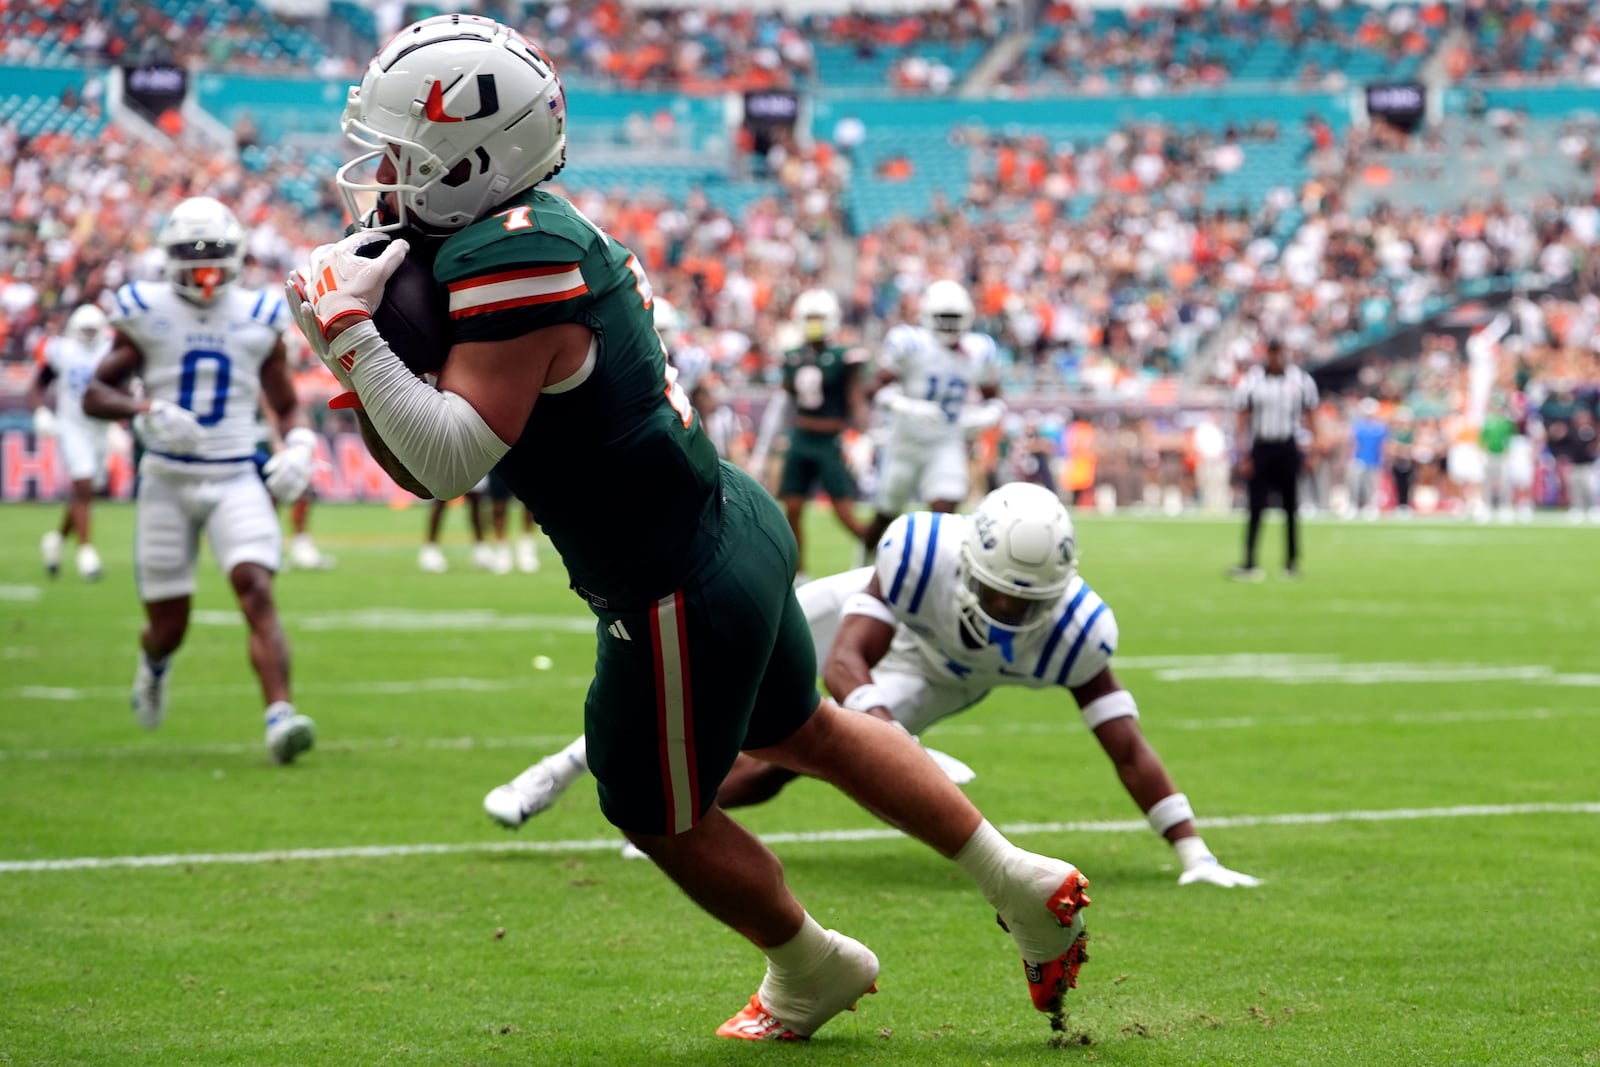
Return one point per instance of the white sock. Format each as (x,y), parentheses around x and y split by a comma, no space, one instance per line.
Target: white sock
(280,709)
(1015,881)
(803,951)
(984,858)
(570,764)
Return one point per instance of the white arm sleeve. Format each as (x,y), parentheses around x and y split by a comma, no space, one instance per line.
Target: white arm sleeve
(441,439)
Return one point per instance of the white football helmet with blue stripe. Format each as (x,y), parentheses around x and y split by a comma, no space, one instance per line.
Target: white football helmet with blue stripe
(1018,557)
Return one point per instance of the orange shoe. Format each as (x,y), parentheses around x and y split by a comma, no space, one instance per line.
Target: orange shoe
(755,1023)
(1049,981)
(803,1003)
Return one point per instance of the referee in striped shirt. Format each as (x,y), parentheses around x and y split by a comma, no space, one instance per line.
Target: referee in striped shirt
(1275,401)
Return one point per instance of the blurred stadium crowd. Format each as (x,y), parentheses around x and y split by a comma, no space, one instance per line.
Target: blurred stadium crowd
(1128,269)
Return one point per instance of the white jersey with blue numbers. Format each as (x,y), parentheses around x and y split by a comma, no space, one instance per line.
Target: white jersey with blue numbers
(207,359)
(917,564)
(928,369)
(74,363)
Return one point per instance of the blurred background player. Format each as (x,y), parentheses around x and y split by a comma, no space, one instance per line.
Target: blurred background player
(926,377)
(207,350)
(525,556)
(431,557)
(69,361)
(955,607)
(822,384)
(727,430)
(303,550)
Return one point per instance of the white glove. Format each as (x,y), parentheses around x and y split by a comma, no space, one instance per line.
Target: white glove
(288,472)
(1206,869)
(953,769)
(44,422)
(975,417)
(894,399)
(342,284)
(297,292)
(168,428)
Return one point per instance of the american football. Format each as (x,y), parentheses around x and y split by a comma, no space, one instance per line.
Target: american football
(413,317)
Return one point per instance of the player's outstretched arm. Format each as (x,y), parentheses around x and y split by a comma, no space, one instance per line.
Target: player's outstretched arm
(865,633)
(1109,710)
(107,395)
(288,472)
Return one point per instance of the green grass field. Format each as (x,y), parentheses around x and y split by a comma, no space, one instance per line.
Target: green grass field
(1405,745)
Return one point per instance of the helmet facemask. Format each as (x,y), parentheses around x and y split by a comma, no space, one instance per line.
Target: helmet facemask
(817,311)
(1017,559)
(947,311)
(457,115)
(204,244)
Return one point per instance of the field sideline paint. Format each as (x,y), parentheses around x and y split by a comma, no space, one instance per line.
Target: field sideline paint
(600,844)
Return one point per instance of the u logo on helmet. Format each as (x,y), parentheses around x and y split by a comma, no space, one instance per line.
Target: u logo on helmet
(488,102)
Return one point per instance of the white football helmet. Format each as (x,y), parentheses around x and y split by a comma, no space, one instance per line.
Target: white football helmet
(817,312)
(205,248)
(88,325)
(1019,555)
(947,310)
(458,113)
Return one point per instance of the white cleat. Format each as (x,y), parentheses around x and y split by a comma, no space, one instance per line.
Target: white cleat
(88,562)
(303,555)
(432,560)
(149,697)
(525,796)
(289,734)
(502,559)
(50,552)
(631,851)
(483,556)
(527,555)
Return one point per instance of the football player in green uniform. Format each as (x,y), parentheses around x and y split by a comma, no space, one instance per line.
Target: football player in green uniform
(556,378)
(822,382)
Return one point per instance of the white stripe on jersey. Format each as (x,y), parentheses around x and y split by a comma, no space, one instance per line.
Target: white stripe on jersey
(515,288)
(675,722)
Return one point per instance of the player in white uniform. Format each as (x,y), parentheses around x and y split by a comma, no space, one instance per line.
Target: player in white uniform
(928,377)
(69,361)
(954,607)
(207,350)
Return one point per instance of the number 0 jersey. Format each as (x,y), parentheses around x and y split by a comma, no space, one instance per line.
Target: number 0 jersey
(917,564)
(613,462)
(207,359)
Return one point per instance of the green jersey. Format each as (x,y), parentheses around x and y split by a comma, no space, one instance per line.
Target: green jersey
(819,380)
(1496,434)
(613,462)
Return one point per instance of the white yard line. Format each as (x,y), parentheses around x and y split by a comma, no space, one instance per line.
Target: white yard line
(965,727)
(601,844)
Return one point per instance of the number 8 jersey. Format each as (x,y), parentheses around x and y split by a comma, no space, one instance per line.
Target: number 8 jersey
(207,359)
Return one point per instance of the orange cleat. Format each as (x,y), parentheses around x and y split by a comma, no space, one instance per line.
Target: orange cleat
(1048,981)
(801,1004)
(755,1023)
